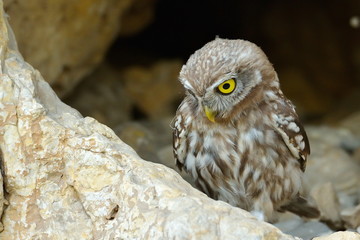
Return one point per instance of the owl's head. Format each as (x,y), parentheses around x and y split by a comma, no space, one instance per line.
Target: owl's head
(225,77)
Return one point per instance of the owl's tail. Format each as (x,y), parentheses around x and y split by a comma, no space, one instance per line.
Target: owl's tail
(301,207)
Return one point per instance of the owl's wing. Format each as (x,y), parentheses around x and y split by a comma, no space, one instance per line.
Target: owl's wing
(179,140)
(287,124)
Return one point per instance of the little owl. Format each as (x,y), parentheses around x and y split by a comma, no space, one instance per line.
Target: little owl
(236,133)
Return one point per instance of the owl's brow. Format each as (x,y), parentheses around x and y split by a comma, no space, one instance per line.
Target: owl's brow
(187,85)
(225,77)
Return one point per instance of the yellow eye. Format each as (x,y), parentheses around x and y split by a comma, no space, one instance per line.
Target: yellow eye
(227,87)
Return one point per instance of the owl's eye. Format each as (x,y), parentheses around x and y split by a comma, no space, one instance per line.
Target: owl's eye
(227,87)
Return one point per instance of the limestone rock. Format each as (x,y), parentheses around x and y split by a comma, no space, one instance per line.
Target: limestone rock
(357,155)
(114,96)
(139,15)
(152,141)
(101,95)
(296,226)
(65,40)
(69,177)
(330,160)
(287,30)
(352,123)
(328,204)
(340,236)
(155,90)
(2,199)
(351,217)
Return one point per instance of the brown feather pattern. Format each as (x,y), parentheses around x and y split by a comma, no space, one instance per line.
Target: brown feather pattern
(255,153)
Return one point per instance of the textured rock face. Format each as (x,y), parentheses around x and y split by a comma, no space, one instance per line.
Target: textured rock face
(340,236)
(114,96)
(102,96)
(151,90)
(69,177)
(65,40)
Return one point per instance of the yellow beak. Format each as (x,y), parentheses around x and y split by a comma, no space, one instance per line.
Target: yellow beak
(210,114)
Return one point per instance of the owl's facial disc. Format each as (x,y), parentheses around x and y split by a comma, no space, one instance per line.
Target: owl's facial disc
(222,89)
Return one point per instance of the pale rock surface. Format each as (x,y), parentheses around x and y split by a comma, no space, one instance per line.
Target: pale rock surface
(2,199)
(328,203)
(154,90)
(297,226)
(101,95)
(357,155)
(139,15)
(152,141)
(69,177)
(65,40)
(352,122)
(340,236)
(330,160)
(114,96)
(351,217)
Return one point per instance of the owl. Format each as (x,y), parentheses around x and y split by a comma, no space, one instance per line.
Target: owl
(236,133)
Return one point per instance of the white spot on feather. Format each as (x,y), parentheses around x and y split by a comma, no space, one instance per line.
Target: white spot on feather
(279,171)
(187,85)
(190,164)
(302,145)
(293,127)
(258,77)
(271,95)
(286,184)
(257,174)
(300,141)
(188,121)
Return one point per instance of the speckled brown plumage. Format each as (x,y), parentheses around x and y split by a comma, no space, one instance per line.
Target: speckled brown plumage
(254,153)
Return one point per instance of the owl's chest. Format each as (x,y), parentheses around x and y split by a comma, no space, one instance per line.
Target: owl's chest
(226,150)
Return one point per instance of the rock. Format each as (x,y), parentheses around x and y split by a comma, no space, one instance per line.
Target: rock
(351,217)
(137,92)
(340,236)
(138,16)
(101,95)
(352,123)
(140,138)
(2,197)
(357,155)
(152,141)
(64,40)
(286,30)
(330,160)
(295,83)
(328,204)
(156,91)
(296,226)
(338,137)
(147,137)
(69,177)
(345,111)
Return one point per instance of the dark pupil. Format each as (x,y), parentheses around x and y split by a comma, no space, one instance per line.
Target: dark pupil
(226,86)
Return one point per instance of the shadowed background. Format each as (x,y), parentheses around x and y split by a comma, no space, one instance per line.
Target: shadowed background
(314,46)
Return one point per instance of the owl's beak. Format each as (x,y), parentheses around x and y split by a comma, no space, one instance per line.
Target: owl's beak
(210,114)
